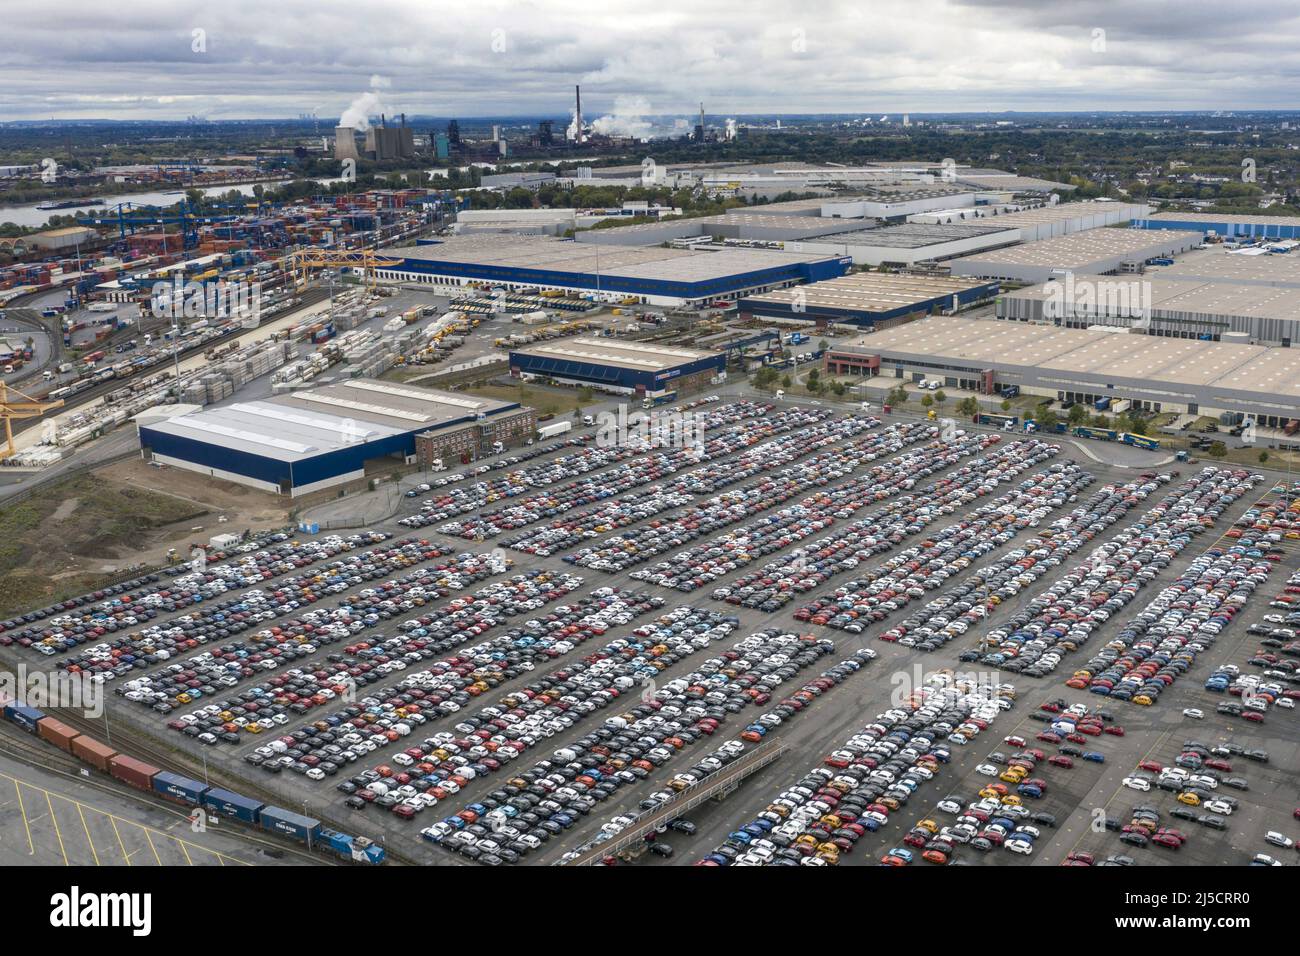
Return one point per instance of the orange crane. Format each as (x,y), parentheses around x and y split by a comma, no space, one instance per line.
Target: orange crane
(24,407)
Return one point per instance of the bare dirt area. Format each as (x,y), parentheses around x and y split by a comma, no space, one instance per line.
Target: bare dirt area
(79,534)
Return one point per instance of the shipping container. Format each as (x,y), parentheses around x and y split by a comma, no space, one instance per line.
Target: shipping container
(25,717)
(135,772)
(233,804)
(93,752)
(57,733)
(294,824)
(176,787)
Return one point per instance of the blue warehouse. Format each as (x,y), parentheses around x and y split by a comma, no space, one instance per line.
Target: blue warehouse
(650,275)
(304,441)
(1227,225)
(627,368)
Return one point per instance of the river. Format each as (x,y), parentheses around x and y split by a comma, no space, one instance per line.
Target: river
(31,216)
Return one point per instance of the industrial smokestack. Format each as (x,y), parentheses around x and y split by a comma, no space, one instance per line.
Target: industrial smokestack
(577,138)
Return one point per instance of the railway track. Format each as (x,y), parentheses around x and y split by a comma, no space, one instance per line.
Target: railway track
(309,298)
(24,748)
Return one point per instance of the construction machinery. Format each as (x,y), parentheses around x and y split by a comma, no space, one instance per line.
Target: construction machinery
(302,261)
(23,407)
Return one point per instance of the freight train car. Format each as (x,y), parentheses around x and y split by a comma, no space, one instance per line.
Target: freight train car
(187,791)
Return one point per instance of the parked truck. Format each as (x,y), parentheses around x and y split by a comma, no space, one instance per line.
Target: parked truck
(554,429)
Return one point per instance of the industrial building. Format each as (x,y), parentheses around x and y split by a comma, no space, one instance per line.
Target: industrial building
(1075,365)
(908,244)
(304,441)
(1047,222)
(1177,308)
(1225,224)
(626,368)
(735,225)
(1092,252)
(873,299)
(655,276)
(1254,266)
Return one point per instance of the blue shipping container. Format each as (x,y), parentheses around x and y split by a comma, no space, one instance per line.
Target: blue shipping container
(294,824)
(25,717)
(233,804)
(179,788)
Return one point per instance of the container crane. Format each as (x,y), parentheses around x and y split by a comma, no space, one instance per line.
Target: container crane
(127,216)
(25,407)
(302,261)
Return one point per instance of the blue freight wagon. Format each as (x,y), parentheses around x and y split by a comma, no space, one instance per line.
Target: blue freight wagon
(179,788)
(25,717)
(294,824)
(233,804)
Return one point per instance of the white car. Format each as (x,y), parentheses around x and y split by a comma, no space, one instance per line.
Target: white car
(950,806)
(1219,806)
(1266,860)
(1137,783)
(987,769)
(1019,846)
(1278,839)
(1194,714)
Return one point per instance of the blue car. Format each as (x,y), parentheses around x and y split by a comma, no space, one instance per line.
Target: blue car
(1094,756)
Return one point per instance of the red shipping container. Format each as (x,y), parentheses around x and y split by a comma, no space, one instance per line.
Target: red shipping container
(57,733)
(135,772)
(93,752)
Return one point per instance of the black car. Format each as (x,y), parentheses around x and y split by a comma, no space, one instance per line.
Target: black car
(661,849)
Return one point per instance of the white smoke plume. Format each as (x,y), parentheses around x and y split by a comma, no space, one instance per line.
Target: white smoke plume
(359,111)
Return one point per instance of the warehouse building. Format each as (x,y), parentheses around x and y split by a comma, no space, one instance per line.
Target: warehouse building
(304,441)
(744,226)
(654,276)
(1188,309)
(625,368)
(1092,252)
(1073,365)
(1254,266)
(868,299)
(1225,224)
(908,244)
(1047,222)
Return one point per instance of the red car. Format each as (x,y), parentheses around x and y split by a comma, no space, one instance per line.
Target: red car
(1014,741)
(1151,765)
(1048,737)
(1058,761)
(1078,857)
(1115,730)
(1167,840)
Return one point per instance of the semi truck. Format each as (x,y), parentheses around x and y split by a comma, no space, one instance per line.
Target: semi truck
(554,429)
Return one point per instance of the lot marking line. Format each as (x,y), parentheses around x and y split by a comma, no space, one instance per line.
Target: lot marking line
(125,855)
(31,847)
(57,832)
(94,852)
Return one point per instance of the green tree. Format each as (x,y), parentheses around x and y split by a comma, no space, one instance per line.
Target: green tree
(786,382)
(1218,450)
(765,377)
(1077,415)
(1048,420)
(1263,457)
(1138,426)
(1006,404)
(823,345)
(926,400)
(940,397)
(968,406)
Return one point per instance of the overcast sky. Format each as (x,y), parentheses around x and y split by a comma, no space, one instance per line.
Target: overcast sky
(147,59)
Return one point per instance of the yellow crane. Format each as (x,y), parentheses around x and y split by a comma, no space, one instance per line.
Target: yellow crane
(303,261)
(24,407)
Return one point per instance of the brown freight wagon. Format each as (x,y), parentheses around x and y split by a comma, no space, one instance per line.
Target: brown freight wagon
(93,752)
(129,770)
(57,733)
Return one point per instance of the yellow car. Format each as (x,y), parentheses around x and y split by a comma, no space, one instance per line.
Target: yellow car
(1011,800)
(1142,700)
(990,792)
(1191,799)
(928,825)
(1011,776)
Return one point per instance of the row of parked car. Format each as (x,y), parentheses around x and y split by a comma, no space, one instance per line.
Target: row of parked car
(180,588)
(556,702)
(553,795)
(1061,619)
(705,563)
(874,773)
(891,585)
(271,703)
(184,681)
(1163,640)
(629,548)
(446,686)
(908,511)
(732,430)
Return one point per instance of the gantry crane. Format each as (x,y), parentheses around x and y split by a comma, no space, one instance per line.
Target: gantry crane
(28,407)
(127,216)
(303,261)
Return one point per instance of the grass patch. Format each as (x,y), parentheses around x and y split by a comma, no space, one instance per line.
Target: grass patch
(45,542)
(547,399)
